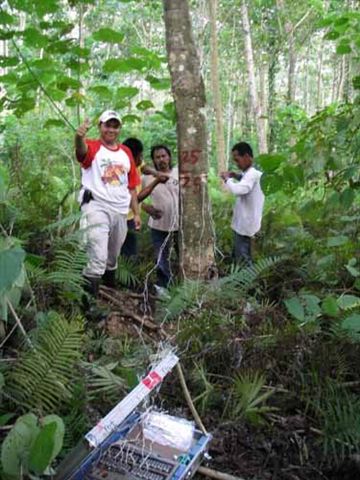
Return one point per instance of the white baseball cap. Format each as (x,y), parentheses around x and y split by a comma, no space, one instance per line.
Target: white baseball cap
(109,115)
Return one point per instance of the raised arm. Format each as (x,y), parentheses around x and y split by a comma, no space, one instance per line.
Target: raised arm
(80,145)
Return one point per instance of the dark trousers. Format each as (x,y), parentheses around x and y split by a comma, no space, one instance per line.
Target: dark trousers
(242,249)
(129,248)
(162,243)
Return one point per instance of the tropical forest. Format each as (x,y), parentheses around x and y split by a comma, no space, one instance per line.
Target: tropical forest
(234,316)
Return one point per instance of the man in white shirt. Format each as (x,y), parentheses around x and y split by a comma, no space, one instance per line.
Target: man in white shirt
(246,221)
(163,212)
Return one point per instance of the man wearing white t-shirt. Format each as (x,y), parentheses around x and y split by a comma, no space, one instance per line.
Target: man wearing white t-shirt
(249,203)
(109,181)
(164,212)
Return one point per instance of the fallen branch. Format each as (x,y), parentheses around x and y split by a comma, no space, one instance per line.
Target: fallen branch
(209,472)
(189,399)
(18,321)
(127,313)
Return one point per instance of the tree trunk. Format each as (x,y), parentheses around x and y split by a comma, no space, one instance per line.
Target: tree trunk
(254,102)
(220,141)
(319,102)
(196,238)
(292,64)
(273,66)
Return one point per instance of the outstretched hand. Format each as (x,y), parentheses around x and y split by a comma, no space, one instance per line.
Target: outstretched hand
(82,130)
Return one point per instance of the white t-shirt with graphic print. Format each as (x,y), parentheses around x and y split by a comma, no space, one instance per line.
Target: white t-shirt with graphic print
(109,174)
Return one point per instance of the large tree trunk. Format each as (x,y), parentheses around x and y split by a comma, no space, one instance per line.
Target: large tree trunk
(254,102)
(196,238)
(220,141)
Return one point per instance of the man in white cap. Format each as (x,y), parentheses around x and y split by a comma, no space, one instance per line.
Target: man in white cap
(109,181)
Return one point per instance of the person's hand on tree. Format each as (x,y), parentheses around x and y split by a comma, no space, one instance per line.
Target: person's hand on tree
(82,130)
(226,175)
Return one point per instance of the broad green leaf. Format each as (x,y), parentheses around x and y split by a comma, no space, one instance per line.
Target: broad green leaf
(65,82)
(159,83)
(33,38)
(41,451)
(352,325)
(53,122)
(2,381)
(9,61)
(11,261)
(348,301)
(295,308)
(6,34)
(126,92)
(356,82)
(332,35)
(337,241)
(75,99)
(312,307)
(108,35)
(145,105)
(6,18)
(59,46)
(330,307)
(271,183)
(270,162)
(81,52)
(343,49)
(351,267)
(17,444)
(59,435)
(347,198)
(102,91)
(124,65)
(131,119)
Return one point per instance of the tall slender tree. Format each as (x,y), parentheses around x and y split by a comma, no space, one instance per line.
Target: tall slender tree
(254,98)
(215,84)
(196,245)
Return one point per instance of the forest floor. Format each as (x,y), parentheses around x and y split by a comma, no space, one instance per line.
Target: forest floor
(285,447)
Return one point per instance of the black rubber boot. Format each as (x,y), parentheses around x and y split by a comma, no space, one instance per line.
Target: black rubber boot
(89,307)
(109,279)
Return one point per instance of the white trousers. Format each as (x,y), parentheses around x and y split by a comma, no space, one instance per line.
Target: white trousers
(105,232)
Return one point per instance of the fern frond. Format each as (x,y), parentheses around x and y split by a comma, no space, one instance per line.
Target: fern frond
(102,380)
(125,272)
(195,294)
(65,222)
(67,270)
(42,377)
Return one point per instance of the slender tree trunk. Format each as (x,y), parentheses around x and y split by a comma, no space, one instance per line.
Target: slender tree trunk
(292,64)
(334,81)
(341,80)
(196,239)
(273,65)
(215,84)
(306,82)
(319,102)
(254,102)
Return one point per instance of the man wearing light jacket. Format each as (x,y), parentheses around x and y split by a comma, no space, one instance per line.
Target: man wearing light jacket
(246,221)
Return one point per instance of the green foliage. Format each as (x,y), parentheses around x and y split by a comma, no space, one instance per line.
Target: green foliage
(195,294)
(249,401)
(41,378)
(32,445)
(337,411)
